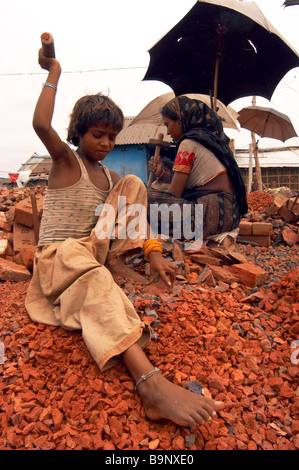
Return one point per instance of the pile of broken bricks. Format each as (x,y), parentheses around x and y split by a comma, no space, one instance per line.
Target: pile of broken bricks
(227,326)
(220,267)
(235,347)
(226,267)
(271,219)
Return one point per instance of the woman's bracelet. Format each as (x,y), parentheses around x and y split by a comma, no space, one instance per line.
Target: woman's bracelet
(145,377)
(50,85)
(151,245)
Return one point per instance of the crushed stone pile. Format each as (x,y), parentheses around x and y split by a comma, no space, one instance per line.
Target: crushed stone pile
(234,344)
(229,327)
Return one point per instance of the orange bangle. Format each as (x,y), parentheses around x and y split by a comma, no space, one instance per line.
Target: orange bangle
(151,249)
(152,245)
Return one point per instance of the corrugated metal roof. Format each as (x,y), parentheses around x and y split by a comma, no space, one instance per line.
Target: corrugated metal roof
(140,133)
(271,158)
(37,164)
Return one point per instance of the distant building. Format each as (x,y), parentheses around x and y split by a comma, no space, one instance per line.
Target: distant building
(278,165)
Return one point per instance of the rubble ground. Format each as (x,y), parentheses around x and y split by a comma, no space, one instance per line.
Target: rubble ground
(229,326)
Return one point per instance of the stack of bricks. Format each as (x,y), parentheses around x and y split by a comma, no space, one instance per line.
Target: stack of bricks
(23,227)
(257,232)
(287,209)
(17,234)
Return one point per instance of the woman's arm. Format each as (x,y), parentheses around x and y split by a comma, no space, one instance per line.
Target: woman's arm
(177,184)
(160,266)
(44,110)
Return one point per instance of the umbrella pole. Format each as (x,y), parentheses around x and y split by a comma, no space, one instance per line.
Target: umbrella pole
(216,84)
(250,170)
(256,157)
(221,30)
(257,163)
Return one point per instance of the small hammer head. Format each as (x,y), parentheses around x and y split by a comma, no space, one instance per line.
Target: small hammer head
(161,143)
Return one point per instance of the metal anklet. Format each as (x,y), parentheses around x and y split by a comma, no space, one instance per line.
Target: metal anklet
(145,377)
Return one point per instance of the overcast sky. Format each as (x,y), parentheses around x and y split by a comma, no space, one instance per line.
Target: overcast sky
(102,46)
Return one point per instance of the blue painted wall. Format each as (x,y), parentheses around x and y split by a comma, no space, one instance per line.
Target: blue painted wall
(129,159)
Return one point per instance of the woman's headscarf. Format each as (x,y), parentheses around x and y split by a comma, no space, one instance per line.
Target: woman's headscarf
(200,123)
(192,114)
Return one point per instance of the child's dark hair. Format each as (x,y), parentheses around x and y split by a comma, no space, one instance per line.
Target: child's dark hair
(89,111)
(167,162)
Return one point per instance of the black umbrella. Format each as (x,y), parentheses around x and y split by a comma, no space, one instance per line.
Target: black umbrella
(289,3)
(229,38)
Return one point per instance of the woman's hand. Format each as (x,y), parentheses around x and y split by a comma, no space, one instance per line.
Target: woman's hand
(161,266)
(152,166)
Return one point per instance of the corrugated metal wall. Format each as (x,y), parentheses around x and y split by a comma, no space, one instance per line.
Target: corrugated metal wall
(129,159)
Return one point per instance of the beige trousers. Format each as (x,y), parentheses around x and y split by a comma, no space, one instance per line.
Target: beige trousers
(72,288)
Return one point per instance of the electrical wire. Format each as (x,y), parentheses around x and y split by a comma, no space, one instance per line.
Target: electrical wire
(71,71)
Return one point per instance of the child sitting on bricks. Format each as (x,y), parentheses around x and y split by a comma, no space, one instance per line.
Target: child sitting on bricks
(72,284)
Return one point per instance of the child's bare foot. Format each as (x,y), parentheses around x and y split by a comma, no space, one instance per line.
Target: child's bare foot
(163,399)
(119,269)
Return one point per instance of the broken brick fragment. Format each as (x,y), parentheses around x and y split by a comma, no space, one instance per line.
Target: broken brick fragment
(10,271)
(249,274)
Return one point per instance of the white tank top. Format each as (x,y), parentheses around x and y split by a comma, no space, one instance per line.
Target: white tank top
(71,212)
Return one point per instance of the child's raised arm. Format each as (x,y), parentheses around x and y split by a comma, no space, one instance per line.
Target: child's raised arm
(44,109)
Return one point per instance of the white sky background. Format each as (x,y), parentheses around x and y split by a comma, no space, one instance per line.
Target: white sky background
(104,34)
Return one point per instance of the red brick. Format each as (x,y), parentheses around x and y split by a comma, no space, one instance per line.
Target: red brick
(10,271)
(23,210)
(295,208)
(223,274)
(22,235)
(205,259)
(4,224)
(296,441)
(57,417)
(284,213)
(290,237)
(261,240)
(295,427)
(27,255)
(215,381)
(249,274)
(279,201)
(245,228)
(262,228)
(5,248)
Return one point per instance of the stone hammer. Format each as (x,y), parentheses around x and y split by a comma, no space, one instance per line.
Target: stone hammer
(48,47)
(159,142)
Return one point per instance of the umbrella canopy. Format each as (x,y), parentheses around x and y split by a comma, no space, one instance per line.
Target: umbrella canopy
(267,122)
(289,3)
(229,39)
(151,113)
